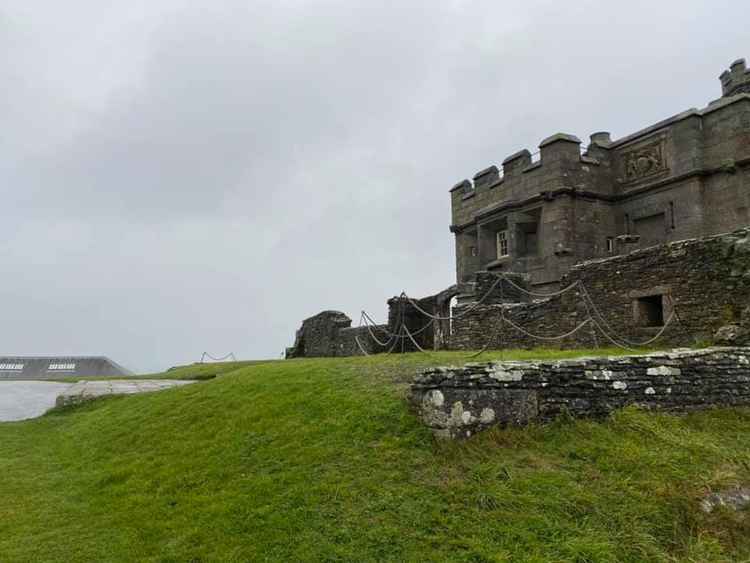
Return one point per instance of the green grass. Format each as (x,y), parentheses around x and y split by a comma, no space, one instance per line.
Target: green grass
(321,460)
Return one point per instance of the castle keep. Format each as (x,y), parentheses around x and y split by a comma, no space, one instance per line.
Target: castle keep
(623,242)
(684,177)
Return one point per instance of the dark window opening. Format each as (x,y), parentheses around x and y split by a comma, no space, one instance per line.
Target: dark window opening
(610,245)
(527,232)
(650,311)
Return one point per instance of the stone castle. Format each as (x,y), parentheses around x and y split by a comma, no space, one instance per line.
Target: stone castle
(636,225)
(684,177)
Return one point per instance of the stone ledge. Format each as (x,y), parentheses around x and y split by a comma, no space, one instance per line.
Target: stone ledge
(459,401)
(88,390)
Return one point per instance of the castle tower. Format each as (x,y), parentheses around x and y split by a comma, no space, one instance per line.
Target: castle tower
(736,80)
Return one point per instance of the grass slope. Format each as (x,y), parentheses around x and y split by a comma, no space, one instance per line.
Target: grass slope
(320,459)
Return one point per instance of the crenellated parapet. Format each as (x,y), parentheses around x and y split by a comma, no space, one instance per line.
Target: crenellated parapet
(736,80)
(540,212)
(554,149)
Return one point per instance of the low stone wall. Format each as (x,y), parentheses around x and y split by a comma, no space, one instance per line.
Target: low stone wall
(88,390)
(353,341)
(494,290)
(483,325)
(459,401)
(402,312)
(318,335)
(330,334)
(706,282)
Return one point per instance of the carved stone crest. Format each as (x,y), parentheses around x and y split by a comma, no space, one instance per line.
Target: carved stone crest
(643,162)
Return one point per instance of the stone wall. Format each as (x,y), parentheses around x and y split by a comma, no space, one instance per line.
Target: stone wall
(318,335)
(459,401)
(330,334)
(420,326)
(706,282)
(504,290)
(352,341)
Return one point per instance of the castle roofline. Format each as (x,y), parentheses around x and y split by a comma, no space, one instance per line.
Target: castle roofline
(509,205)
(692,112)
(52,357)
(716,105)
(40,367)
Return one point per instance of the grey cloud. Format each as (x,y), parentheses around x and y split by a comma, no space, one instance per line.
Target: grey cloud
(181,177)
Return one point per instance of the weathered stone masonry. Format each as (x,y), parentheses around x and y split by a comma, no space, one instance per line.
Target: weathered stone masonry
(459,401)
(706,282)
(599,216)
(684,177)
(330,334)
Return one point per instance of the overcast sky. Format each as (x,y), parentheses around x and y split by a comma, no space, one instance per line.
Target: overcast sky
(180,177)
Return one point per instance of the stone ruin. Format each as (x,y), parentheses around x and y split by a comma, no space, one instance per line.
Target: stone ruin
(685,293)
(634,225)
(643,240)
(330,333)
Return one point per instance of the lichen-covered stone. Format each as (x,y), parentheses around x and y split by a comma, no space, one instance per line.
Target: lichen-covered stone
(732,334)
(735,499)
(479,395)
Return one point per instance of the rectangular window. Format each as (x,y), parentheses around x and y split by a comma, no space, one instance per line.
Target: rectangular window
(502,244)
(649,311)
(610,245)
(61,367)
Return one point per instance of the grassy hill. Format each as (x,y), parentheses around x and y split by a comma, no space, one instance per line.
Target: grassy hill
(320,460)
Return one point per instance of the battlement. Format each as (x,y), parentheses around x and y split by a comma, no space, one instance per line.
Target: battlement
(554,148)
(540,212)
(566,147)
(736,80)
